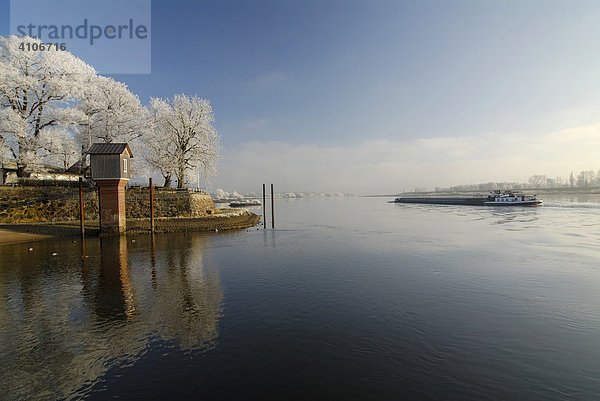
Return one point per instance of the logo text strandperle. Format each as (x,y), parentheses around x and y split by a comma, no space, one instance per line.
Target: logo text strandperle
(85,31)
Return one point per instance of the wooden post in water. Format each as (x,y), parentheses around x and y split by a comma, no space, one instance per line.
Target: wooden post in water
(151,207)
(272,208)
(264,208)
(81,215)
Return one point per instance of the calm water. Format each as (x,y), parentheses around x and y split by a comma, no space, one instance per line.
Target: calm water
(348,298)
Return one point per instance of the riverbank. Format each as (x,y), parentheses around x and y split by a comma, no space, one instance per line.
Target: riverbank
(15,237)
(221,219)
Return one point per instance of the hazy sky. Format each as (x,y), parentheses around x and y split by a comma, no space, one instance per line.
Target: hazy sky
(374,96)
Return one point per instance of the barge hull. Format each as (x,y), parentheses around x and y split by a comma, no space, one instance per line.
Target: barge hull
(445,201)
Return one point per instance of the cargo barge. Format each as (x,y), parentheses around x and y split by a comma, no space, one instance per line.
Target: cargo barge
(496,198)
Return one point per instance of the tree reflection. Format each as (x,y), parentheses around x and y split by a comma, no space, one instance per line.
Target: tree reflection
(65,321)
(189,294)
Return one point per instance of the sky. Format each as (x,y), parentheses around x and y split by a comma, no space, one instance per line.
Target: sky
(382,96)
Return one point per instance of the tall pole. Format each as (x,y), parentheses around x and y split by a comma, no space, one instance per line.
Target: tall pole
(272,208)
(81,215)
(151,207)
(264,208)
(83,152)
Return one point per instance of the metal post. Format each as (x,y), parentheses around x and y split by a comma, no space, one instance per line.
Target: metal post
(151,207)
(264,208)
(272,208)
(81,215)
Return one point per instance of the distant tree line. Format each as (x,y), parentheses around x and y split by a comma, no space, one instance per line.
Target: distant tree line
(585,178)
(53,106)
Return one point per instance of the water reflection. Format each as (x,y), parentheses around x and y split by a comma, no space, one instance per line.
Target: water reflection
(66,320)
(190,295)
(153,261)
(269,238)
(514,214)
(114,298)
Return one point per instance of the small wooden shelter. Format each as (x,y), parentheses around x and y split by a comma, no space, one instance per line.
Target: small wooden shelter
(110,168)
(110,161)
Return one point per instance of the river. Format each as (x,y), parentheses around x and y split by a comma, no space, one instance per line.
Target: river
(348,298)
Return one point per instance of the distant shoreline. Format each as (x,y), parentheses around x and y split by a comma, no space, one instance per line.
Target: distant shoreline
(538,191)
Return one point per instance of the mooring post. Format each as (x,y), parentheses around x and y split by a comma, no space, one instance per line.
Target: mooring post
(81,215)
(272,208)
(151,207)
(264,208)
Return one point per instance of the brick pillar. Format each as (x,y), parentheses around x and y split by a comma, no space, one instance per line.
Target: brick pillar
(112,202)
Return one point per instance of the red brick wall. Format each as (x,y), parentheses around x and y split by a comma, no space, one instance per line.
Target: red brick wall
(112,205)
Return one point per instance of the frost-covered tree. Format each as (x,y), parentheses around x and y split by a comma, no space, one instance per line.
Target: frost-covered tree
(112,112)
(538,181)
(183,137)
(550,183)
(572,180)
(586,178)
(158,151)
(5,153)
(38,90)
(220,194)
(61,147)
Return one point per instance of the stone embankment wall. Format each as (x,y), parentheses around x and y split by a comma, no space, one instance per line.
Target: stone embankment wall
(224,219)
(49,204)
(42,204)
(168,203)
